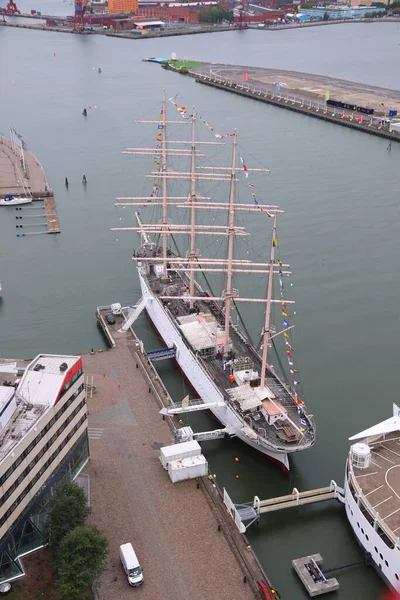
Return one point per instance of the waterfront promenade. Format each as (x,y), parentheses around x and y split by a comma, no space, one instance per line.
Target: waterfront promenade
(305,93)
(173,527)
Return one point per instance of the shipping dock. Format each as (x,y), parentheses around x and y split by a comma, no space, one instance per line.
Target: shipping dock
(21,174)
(124,414)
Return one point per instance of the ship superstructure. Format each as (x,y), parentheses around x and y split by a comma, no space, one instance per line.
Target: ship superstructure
(372,494)
(218,357)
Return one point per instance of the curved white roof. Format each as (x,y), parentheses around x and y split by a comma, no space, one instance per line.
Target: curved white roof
(388,426)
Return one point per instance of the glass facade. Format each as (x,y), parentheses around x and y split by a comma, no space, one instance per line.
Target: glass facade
(26,535)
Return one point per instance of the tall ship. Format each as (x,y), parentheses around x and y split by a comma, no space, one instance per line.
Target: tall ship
(234,378)
(372,494)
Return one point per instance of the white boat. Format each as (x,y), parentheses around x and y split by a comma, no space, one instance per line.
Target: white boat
(11,200)
(372,494)
(239,385)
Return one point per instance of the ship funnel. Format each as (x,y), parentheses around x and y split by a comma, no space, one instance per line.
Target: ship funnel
(360,455)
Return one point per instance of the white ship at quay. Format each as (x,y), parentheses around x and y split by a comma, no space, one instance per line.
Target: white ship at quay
(372,494)
(232,377)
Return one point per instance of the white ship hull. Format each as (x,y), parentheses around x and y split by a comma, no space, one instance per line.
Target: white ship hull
(198,377)
(386,559)
(14,201)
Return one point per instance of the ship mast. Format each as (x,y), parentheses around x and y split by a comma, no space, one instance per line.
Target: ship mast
(231,239)
(164,186)
(266,332)
(192,253)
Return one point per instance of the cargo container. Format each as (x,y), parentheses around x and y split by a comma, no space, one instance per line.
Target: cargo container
(179,451)
(188,468)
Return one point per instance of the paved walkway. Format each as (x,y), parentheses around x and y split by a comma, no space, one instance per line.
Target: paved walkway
(13,180)
(170,525)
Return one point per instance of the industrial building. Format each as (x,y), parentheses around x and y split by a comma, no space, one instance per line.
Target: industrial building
(123,6)
(340,12)
(43,439)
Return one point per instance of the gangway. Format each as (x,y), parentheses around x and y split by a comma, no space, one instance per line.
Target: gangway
(186,434)
(163,354)
(133,315)
(245,515)
(187,406)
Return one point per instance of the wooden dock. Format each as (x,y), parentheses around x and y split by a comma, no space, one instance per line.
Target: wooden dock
(26,177)
(53,224)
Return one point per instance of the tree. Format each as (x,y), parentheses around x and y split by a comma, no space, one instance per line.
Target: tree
(67,509)
(80,560)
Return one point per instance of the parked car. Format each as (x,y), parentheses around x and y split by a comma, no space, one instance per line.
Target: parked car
(110,319)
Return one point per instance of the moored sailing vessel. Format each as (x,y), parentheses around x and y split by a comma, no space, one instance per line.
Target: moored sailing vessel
(240,386)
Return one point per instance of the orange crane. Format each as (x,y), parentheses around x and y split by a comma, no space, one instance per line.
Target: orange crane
(79,16)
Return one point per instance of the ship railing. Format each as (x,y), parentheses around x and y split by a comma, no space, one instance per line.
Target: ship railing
(360,498)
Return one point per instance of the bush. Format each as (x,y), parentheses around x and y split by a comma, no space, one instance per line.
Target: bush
(80,560)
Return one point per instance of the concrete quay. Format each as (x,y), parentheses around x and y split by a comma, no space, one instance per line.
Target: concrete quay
(186,540)
(122,35)
(305,93)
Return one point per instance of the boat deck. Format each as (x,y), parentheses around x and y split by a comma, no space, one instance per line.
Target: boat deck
(380,482)
(283,434)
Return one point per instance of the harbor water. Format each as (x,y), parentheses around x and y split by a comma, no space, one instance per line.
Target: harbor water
(339,190)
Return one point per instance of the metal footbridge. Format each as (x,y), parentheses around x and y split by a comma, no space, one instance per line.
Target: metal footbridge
(245,515)
(163,354)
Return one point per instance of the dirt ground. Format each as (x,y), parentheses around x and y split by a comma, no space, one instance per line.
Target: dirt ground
(39,581)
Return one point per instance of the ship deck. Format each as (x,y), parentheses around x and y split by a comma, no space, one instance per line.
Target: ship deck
(283,435)
(380,482)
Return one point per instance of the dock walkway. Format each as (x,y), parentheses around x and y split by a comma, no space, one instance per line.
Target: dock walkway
(14,180)
(174,527)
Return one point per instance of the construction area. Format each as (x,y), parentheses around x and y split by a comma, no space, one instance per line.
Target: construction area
(22,176)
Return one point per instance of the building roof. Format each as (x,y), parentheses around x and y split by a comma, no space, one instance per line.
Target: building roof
(37,391)
(6,393)
(42,380)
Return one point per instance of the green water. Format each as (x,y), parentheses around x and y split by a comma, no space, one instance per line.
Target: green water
(339,233)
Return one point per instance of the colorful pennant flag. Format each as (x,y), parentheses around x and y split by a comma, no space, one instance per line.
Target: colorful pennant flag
(244,167)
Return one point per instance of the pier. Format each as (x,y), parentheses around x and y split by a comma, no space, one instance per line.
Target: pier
(21,174)
(307,94)
(184,536)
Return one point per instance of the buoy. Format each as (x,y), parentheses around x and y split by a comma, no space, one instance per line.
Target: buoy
(99,70)
(84,180)
(84,112)
(66,182)
(237,459)
(237,476)
(54,53)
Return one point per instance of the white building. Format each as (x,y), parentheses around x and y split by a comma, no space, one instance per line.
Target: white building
(43,438)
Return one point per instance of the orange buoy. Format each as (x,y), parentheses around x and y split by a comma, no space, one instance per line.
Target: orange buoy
(237,476)
(237,459)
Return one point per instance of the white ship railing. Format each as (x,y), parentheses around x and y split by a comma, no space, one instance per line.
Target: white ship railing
(360,497)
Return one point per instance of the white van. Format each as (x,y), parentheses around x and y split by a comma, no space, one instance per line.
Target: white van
(132,568)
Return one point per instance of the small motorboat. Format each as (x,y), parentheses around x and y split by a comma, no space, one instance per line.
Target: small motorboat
(11,200)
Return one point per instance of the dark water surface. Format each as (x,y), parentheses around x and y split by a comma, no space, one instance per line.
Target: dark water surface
(340,234)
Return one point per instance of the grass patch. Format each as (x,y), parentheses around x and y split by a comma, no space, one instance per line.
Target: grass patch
(186,64)
(16,592)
